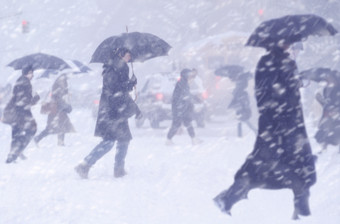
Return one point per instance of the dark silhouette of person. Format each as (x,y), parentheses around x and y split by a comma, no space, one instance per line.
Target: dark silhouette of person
(282,156)
(18,114)
(115,107)
(329,125)
(182,107)
(58,121)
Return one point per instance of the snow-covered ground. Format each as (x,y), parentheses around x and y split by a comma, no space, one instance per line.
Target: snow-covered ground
(165,184)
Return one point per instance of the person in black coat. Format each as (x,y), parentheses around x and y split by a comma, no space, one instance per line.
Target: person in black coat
(182,107)
(329,125)
(18,114)
(241,104)
(115,107)
(282,156)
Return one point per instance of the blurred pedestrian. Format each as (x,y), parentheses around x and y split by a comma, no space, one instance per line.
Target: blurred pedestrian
(282,156)
(115,107)
(17,113)
(182,107)
(241,104)
(329,125)
(57,109)
(5,93)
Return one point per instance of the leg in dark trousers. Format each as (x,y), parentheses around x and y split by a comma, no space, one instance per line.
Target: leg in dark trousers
(98,152)
(176,124)
(187,123)
(119,170)
(42,135)
(20,139)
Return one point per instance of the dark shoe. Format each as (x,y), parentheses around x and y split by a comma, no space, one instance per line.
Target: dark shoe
(11,158)
(119,173)
(83,170)
(226,199)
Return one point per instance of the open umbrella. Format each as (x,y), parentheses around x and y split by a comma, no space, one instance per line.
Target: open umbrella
(289,29)
(319,74)
(143,46)
(39,61)
(76,66)
(81,67)
(234,72)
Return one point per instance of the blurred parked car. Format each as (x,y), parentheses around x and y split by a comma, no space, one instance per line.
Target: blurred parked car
(154,99)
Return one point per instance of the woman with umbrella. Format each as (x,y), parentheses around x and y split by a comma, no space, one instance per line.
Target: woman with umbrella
(58,109)
(18,114)
(115,107)
(282,156)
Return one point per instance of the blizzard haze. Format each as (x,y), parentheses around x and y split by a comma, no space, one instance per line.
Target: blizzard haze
(164,185)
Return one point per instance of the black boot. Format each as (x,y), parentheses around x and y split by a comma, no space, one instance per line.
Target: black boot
(83,170)
(226,199)
(119,172)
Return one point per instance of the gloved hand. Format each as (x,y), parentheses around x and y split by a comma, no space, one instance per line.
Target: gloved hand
(133,80)
(35,98)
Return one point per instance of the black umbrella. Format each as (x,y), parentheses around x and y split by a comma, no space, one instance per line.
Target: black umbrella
(319,74)
(143,46)
(288,30)
(39,61)
(82,68)
(234,72)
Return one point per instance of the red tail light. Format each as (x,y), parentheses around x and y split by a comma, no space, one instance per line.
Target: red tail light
(159,96)
(205,95)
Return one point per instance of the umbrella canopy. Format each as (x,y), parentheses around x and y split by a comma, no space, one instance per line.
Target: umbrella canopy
(319,74)
(39,61)
(143,46)
(82,68)
(288,30)
(76,66)
(234,72)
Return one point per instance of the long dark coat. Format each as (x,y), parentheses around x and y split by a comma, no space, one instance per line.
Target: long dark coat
(112,121)
(282,156)
(18,110)
(329,126)
(58,120)
(182,102)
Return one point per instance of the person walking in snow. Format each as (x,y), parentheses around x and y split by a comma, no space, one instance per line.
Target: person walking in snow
(115,107)
(329,125)
(282,156)
(241,104)
(17,113)
(58,109)
(182,107)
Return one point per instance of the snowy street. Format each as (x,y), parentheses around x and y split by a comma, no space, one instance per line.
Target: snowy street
(165,184)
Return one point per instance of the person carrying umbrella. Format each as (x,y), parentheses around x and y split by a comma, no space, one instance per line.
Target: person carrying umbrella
(115,107)
(282,155)
(18,114)
(58,109)
(182,107)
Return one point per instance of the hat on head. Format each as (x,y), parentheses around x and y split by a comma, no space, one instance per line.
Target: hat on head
(185,73)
